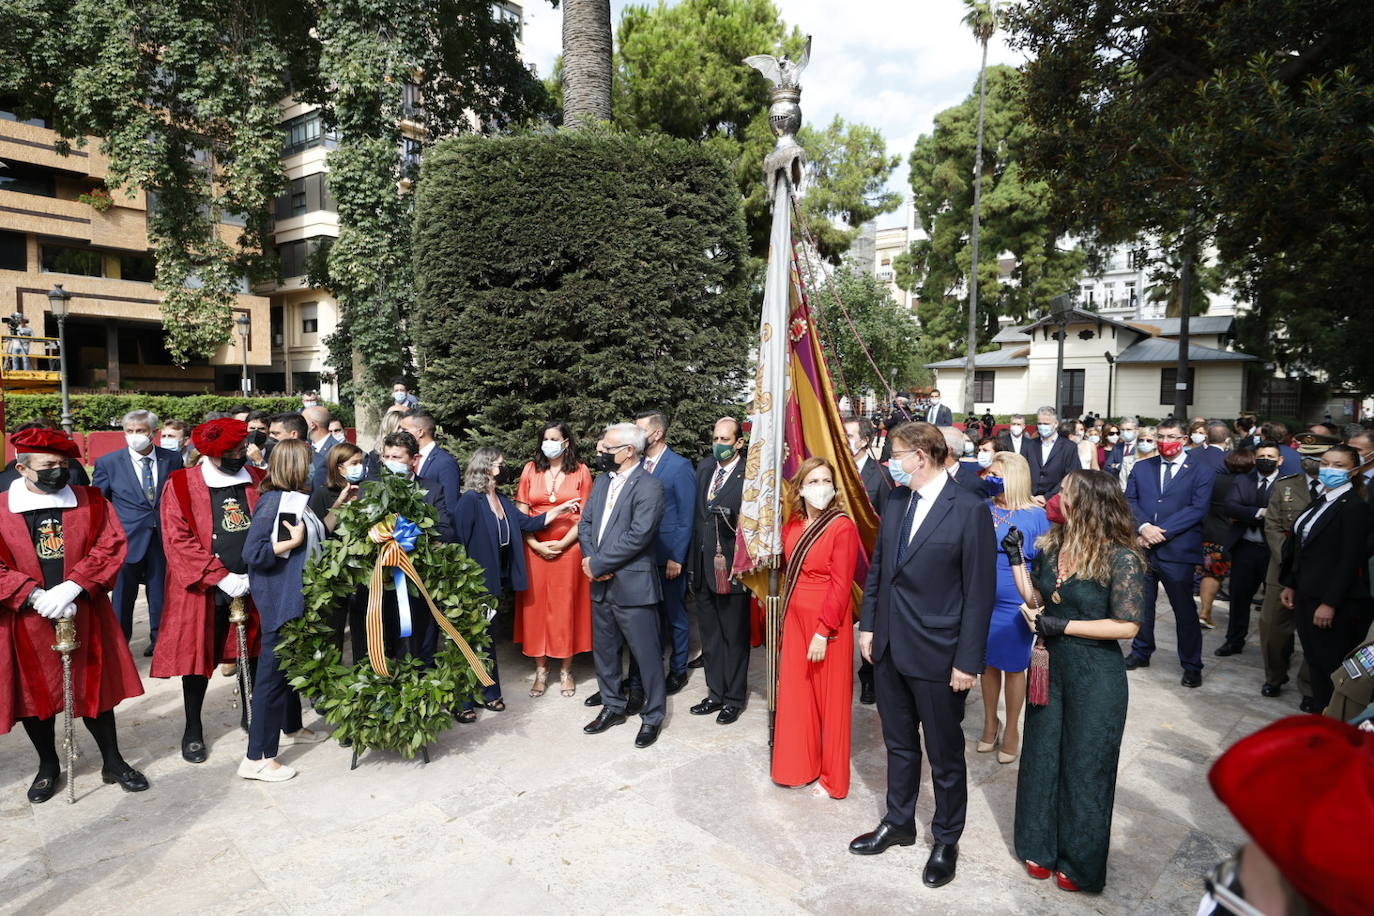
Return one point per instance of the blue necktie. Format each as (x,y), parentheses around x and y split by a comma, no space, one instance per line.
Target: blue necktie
(905,533)
(148,489)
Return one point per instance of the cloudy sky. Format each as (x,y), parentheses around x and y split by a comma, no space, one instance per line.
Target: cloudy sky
(893,64)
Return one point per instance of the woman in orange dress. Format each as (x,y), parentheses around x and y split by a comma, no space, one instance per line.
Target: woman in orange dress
(816,664)
(553,617)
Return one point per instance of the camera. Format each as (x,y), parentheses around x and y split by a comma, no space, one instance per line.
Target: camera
(13,320)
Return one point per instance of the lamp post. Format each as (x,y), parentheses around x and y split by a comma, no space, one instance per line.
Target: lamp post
(242,322)
(1111,372)
(58,298)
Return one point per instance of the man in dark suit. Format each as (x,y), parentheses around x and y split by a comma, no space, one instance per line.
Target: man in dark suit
(1051,456)
(1274,431)
(617,534)
(1246,507)
(926,609)
(722,602)
(936,413)
(1169,496)
(670,549)
(1127,430)
(132,480)
(964,473)
(1014,438)
(317,434)
(436,463)
(877,484)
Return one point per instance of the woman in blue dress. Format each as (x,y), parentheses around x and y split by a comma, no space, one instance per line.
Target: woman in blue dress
(1009,639)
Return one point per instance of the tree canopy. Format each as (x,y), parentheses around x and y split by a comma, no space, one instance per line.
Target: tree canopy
(885,327)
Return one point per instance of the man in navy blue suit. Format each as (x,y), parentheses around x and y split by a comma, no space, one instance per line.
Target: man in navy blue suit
(964,473)
(1246,507)
(1050,457)
(436,464)
(926,609)
(131,480)
(670,547)
(317,434)
(1169,496)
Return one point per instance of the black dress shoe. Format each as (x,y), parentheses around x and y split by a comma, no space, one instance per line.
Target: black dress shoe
(635,703)
(941,864)
(867,695)
(706,707)
(148,652)
(593,700)
(1308,705)
(728,714)
(193,750)
(1226,649)
(1191,679)
(1134,661)
(675,681)
(604,720)
(129,779)
(44,787)
(698,662)
(1270,690)
(870,844)
(648,734)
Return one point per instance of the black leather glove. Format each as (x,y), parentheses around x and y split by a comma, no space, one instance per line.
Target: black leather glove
(1012,544)
(1047,626)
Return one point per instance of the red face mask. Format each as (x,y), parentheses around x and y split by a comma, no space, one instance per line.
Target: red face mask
(1170,450)
(1053,511)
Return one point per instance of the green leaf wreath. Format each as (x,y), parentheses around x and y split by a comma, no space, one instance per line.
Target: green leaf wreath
(412,707)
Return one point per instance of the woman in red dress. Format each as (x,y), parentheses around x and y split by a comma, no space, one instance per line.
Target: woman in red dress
(816,665)
(553,617)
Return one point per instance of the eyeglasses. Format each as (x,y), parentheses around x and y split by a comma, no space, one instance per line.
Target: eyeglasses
(1223,883)
(1172,438)
(900,455)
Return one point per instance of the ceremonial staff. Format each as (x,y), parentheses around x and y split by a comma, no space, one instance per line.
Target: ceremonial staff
(66,644)
(238,616)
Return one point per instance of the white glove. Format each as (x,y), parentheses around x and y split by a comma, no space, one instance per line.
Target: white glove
(53,600)
(34,596)
(67,613)
(235,585)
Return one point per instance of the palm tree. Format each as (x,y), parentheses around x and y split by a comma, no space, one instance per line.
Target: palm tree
(982,19)
(586,62)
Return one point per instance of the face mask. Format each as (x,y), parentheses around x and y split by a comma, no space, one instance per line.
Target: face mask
(1054,510)
(1143,446)
(1170,450)
(1256,439)
(968,447)
(996,485)
(551,449)
(1198,438)
(232,466)
(607,461)
(1096,439)
(819,495)
(1332,478)
(984,460)
(899,475)
(1128,435)
(1113,438)
(139,442)
(257,437)
(1017,429)
(857,449)
(398,467)
(934,402)
(171,443)
(51,480)
(723,452)
(353,473)
(398,396)
(505,476)
(309,403)
(1265,466)
(1046,430)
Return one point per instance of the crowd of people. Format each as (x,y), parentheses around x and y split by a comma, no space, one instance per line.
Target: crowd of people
(1024,557)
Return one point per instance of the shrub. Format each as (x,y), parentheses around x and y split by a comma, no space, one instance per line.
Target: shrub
(97,412)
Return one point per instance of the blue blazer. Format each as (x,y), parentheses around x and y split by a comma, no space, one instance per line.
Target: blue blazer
(1291,461)
(117,482)
(679,505)
(274,581)
(1114,456)
(966,476)
(1179,510)
(932,612)
(321,459)
(626,548)
(478,533)
(442,469)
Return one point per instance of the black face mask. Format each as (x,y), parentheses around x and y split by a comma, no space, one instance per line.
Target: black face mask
(257,437)
(232,465)
(607,461)
(1265,466)
(505,476)
(51,480)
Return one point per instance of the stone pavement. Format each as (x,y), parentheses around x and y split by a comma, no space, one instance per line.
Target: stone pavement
(522,813)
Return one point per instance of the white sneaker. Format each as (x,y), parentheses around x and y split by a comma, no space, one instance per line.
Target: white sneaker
(304,736)
(258,769)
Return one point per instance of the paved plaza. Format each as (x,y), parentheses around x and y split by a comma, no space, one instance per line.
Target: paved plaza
(522,813)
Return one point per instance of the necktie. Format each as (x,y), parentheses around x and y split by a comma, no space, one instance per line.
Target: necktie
(148,489)
(1168,475)
(1264,492)
(1314,489)
(905,533)
(716,482)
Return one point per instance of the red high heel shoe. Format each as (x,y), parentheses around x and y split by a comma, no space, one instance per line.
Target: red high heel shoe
(1037,872)
(1064,883)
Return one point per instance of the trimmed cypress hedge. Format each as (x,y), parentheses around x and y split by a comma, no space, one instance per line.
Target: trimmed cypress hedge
(582,276)
(98,412)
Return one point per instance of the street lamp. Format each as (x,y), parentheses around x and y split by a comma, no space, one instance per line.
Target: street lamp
(57,304)
(242,322)
(1111,372)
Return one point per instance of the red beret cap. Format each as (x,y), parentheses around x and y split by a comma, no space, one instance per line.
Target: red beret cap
(27,441)
(1303,788)
(215,438)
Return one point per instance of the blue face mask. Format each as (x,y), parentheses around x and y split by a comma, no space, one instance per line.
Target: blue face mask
(397,467)
(995,485)
(1331,478)
(1046,429)
(899,475)
(985,459)
(353,473)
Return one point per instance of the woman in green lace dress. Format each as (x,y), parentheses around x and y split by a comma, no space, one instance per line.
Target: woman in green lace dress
(1089,593)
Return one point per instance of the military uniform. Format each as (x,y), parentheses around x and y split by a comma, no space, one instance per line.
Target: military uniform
(1277,624)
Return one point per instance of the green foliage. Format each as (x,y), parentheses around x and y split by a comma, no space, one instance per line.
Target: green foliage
(581,276)
(412,707)
(1018,216)
(888,330)
(98,412)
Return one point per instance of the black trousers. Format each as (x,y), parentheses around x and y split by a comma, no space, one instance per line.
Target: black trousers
(908,707)
(724,623)
(1326,647)
(151,572)
(1249,563)
(612,627)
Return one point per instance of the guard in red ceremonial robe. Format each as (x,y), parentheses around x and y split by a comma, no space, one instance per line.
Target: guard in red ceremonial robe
(61,548)
(206,513)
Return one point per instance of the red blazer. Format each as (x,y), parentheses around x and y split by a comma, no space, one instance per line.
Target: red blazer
(826,587)
(103,672)
(186,639)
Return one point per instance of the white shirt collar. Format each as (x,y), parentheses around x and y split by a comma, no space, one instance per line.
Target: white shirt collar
(324,442)
(215,478)
(426,449)
(22,499)
(138,459)
(1332,495)
(935,487)
(1271,478)
(860,460)
(729,467)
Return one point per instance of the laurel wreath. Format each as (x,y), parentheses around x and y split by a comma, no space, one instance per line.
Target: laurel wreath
(411,708)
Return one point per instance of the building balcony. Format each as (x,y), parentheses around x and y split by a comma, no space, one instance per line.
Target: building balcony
(38,146)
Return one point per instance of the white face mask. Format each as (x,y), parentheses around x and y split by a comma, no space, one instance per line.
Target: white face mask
(1017,429)
(1113,438)
(171,442)
(1198,438)
(1128,435)
(397,467)
(934,402)
(309,403)
(968,447)
(985,459)
(819,495)
(551,449)
(1094,439)
(139,442)
(353,473)
(398,396)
